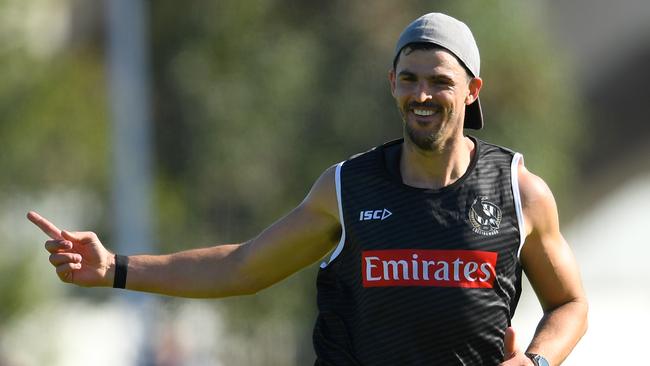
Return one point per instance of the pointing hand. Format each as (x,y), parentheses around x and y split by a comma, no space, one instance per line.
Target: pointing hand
(79,257)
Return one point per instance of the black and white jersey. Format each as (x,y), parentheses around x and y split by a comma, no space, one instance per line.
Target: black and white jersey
(421,276)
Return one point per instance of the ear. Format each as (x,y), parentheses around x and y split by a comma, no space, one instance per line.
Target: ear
(474,89)
(391,80)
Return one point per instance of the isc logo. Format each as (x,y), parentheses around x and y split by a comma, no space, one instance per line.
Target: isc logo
(374,215)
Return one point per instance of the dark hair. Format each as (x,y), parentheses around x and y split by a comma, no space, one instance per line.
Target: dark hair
(424,46)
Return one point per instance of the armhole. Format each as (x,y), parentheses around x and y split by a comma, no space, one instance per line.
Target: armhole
(514,176)
(339,247)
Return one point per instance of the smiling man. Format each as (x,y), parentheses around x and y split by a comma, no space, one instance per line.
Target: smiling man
(428,236)
(431,90)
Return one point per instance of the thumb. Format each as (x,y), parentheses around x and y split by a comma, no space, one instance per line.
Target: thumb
(83,237)
(509,343)
(70,236)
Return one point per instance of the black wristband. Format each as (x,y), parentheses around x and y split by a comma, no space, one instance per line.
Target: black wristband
(121,267)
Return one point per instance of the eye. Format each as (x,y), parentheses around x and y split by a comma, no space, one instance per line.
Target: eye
(443,81)
(407,78)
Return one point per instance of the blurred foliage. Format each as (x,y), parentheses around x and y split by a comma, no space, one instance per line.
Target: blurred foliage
(52,138)
(53,124)
(252,101)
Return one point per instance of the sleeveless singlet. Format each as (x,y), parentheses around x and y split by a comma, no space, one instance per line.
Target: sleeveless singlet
(421,276)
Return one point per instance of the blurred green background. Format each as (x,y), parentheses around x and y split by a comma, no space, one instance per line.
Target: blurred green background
(251,101)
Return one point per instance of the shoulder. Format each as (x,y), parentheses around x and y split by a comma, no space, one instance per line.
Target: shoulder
(322,197)
(489,148)
(538,203)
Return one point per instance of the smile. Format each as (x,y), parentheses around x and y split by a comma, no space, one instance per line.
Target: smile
(422,112)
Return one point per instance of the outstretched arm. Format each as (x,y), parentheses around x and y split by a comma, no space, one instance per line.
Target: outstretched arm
(300,238)
(553,272)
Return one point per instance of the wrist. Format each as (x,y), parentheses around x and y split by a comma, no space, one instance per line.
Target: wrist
(538,360)
(109,274)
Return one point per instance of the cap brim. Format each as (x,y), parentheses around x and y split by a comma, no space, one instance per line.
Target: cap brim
(474,116)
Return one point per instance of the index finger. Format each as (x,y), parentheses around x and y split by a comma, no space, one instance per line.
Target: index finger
(47,227)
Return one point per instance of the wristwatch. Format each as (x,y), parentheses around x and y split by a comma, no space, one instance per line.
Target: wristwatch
(538,360)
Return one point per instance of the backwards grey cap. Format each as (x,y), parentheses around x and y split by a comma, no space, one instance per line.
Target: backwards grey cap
(457,38)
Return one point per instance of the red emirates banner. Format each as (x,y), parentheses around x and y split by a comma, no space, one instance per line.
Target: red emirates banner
(417,267)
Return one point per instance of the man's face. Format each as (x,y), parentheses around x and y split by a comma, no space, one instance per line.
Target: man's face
(431,89)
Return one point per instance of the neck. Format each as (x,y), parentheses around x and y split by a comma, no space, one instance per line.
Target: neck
(436,168)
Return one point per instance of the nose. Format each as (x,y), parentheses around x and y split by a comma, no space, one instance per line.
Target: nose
(422,94)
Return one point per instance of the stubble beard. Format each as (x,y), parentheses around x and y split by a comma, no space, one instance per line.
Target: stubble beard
(426,142)
(432,141)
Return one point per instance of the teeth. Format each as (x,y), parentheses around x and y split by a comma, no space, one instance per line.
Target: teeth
(422,112)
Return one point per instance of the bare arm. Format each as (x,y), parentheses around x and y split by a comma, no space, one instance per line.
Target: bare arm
(300,238)
(553,272)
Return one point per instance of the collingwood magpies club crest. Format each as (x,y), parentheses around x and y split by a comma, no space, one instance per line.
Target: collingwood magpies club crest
(484,216)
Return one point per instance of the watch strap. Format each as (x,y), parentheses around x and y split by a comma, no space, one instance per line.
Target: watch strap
(537,359)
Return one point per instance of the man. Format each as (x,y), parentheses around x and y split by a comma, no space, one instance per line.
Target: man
(433,232)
